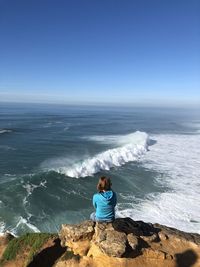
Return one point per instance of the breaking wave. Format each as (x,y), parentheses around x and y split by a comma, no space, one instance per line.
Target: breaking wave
(132,147)
(3,131)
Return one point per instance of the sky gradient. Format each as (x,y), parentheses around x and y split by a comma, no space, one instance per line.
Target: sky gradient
(108,51)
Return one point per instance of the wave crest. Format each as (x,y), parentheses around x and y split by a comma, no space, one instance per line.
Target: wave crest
(133,148)
(3,131)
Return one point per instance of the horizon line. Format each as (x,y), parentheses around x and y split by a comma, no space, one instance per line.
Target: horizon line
(107,104)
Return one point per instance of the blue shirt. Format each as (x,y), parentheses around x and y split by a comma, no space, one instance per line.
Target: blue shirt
(104,203)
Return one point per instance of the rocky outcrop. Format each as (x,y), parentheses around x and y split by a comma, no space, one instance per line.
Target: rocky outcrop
(129,243)
(123,243)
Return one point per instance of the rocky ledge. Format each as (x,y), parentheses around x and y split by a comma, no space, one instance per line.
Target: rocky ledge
(123,243)
(128,243)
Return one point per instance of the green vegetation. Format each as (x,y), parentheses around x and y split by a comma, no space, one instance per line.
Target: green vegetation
(30,242)
(68,255)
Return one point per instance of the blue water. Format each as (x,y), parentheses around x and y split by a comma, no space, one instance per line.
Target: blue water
(39,144)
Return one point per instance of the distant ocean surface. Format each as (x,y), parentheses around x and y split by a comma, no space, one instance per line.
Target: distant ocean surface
(52,156)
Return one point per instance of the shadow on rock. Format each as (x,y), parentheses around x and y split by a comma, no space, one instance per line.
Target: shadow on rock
(127,225)
(186,259)
(48,256)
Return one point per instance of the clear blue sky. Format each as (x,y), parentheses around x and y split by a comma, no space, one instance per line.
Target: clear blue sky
(126,51)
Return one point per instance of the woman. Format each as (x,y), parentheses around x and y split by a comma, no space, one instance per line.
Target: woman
(104,202)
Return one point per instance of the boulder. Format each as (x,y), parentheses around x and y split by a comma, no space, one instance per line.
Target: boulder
(78,232)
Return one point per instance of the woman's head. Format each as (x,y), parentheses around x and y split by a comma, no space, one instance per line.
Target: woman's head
(104,184)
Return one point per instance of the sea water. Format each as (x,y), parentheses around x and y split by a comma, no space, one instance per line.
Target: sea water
(51,157)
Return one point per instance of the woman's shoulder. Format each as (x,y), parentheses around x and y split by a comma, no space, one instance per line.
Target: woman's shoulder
(99,194)
(96,195)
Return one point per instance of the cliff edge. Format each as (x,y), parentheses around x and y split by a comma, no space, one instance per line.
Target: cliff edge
(122,243)
(129,243)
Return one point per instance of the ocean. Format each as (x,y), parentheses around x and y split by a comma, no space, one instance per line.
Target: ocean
(51,157)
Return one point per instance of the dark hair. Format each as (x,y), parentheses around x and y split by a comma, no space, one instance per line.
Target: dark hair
(104,184)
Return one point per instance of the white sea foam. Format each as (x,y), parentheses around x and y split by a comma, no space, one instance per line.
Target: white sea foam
(30,188)
(2,228)
(2,131)
(119,140)
(130,148)
(22,222)
(177,157)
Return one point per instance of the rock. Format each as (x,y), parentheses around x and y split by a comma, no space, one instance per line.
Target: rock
(6,238)
(133,241)
(109,241)
(100,231)
(151,238)
(168,257)
(129,243)
(79,232)
(162,236)
(127,225)
(170,232)
(154,254)
(114,244)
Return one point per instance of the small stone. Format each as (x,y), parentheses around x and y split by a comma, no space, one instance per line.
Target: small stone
(133,241)
(113,249)
(151,238)
(162,236)
(169,257)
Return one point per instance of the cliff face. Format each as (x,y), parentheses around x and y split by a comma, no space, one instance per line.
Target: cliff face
(122,243)
(129,243)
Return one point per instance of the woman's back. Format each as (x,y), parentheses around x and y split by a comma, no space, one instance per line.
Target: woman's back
(104,201)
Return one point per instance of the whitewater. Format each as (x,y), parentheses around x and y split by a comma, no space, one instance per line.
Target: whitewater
(177,157)
(134,147)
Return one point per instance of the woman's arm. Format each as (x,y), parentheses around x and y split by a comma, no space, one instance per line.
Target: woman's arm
(94,201)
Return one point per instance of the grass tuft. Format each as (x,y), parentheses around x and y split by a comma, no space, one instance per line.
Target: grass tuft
(31,242)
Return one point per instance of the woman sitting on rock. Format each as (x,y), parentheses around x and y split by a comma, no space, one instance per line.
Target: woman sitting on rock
(104,202)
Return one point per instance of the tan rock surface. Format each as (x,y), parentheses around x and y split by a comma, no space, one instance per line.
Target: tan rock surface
(136,244)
